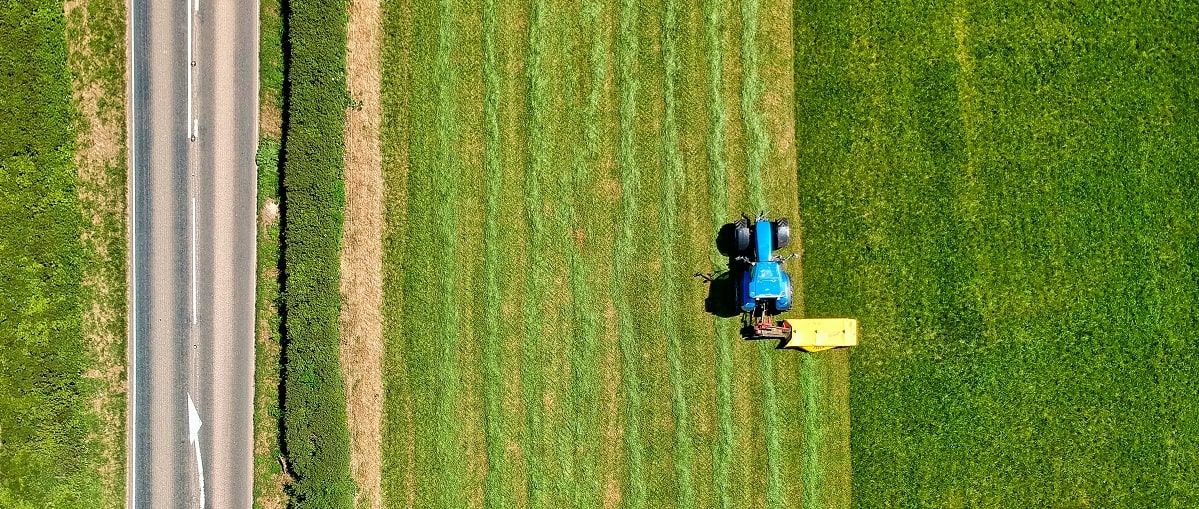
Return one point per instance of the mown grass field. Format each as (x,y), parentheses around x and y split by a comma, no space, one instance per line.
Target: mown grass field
(1005,196)
(556,172)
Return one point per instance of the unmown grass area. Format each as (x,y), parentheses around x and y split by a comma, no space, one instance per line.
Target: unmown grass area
(316,438)
(556,173)
(1005,196)
(50,455)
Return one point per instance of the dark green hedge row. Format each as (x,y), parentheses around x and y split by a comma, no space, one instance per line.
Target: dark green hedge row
(316,437)
(46,457)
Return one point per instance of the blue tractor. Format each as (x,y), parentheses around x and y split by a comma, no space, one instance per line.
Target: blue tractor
(764,288)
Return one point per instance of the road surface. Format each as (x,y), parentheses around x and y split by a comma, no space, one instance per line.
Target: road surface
(192,206)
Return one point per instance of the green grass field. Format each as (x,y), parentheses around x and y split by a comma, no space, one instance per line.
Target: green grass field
(556,172)
(1006,197)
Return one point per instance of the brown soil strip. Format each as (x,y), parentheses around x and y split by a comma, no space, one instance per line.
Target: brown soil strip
(362,254)
(98,94)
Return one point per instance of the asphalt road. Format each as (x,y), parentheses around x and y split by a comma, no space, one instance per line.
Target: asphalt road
(192,270)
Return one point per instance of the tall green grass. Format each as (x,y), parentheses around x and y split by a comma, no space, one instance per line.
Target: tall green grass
(50,457)
(1007,204)
(268,347)
(316,437)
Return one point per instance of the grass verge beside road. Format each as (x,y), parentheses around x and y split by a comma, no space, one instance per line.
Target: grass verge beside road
(270,477)
(95,31)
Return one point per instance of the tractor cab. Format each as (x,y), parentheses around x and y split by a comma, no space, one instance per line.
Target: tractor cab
(764,287)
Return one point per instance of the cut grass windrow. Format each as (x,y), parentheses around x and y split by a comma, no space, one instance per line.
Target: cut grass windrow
(668,210)
(497,468)
(751,99)
(445,219)
(756,146)
(579,453)
(585,355)
(718,203)
(812,433)
(624,252)
(533,358)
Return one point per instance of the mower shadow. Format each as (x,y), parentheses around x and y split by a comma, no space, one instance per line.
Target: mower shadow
(722,285)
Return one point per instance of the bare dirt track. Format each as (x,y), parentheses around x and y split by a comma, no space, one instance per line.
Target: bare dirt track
(362,251)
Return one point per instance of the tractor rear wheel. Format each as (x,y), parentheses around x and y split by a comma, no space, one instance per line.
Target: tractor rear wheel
(782,233)
(741,235)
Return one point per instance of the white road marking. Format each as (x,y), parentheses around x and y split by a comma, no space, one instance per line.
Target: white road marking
(193,271)
(193,435)
(133,265)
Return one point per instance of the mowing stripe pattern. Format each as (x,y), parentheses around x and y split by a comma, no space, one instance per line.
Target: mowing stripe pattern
(608,160)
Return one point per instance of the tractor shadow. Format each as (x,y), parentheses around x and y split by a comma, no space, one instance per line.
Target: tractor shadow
(722,284)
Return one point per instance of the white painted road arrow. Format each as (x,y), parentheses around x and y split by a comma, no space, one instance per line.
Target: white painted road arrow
(193,434)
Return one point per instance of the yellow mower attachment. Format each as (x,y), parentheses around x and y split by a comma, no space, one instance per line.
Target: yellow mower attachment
(819,334)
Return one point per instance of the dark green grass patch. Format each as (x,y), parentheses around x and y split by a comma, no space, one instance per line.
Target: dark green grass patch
(1005,197)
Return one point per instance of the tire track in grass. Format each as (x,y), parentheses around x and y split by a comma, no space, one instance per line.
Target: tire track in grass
(668,221)
(533,359)
(718,204)
(756,145)
(630,177)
